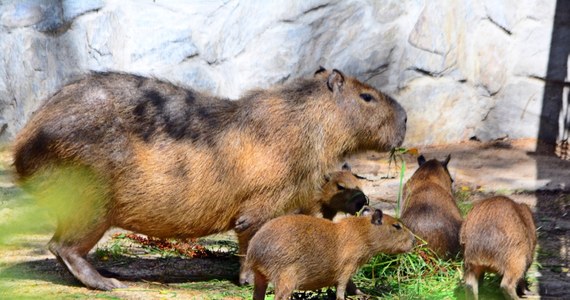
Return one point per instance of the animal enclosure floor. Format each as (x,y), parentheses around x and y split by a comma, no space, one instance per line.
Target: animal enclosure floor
(479,170)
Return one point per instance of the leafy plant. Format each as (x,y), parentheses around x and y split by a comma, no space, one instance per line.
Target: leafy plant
(397,154)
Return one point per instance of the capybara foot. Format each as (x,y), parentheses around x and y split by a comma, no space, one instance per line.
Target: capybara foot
(107,284)
(352,289)
(83,270)
(242,224)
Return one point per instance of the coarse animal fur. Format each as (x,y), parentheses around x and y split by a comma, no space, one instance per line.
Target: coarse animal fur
(304,252)
(340,193)
(499,236)
(429,208)
(158,159)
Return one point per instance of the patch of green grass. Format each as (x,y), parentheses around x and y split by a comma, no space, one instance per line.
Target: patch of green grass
(412,275)
(116,247)
(218,289)
(462,197)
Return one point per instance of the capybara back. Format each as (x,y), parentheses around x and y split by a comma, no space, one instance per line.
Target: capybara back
(429,209)
(498,235)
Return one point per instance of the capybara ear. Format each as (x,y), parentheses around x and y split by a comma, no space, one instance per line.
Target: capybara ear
(359,177)
(336,80)
(377,217)
(446,161)
(421,160)
(346,167)
(366,210)
(320,71)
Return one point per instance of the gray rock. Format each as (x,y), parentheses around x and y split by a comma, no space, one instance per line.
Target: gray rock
(461,68)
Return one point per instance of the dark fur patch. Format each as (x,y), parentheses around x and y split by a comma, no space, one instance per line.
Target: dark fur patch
(181,118)
(34,151)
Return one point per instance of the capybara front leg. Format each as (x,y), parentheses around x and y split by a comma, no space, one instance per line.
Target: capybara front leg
(247,224)
(260,286)
(71,245)
(245,275)
(352,289)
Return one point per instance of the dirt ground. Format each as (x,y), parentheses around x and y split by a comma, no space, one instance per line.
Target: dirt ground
(479,170)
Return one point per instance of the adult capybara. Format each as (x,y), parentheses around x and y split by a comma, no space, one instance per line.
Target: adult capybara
(498,235)
(307,253)
(429,209)
(172,162)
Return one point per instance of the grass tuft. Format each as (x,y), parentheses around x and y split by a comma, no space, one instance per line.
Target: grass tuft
(412,275)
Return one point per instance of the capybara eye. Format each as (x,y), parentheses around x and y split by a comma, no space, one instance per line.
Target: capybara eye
(340,187)
(397,226)
(366,97)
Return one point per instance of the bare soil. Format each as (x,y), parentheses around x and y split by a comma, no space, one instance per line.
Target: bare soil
(512,168)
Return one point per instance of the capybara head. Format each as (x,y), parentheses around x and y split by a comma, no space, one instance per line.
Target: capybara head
(375,120)
(432,171)
(342,192)
(435,168)
(389,235)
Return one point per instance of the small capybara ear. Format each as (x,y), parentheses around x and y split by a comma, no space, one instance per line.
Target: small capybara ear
(377,217)
(359,177)
(335,80)
(346,167)
(446,161)
(421,160)
(366,210)
(320,71)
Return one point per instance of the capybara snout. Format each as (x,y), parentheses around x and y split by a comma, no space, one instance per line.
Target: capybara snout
(498,235)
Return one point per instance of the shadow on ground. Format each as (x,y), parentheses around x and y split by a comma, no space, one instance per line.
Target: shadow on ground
(132,269)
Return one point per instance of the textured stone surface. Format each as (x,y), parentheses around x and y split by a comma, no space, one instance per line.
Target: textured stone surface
(461,68)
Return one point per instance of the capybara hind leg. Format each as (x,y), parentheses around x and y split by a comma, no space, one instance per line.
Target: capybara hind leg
(508,287)
(260,286)
(70,248)
(284,287)
(471,277)
(514,272)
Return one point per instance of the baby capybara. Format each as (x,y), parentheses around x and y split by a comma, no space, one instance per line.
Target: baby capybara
(498,235)
(341,193)
(304,252)
(429,209)
(167,161)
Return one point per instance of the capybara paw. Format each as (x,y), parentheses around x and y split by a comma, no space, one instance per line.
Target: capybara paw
(107,284)
(246,277)
(242,224)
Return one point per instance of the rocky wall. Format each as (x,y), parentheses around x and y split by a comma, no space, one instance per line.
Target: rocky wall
(461,68)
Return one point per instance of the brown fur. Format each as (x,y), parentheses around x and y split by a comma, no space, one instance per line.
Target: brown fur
(304,252)
(429,209)
(341,192)
(171,162)
(498,235)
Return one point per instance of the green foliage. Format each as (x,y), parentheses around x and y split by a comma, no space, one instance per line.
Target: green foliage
(412,275)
